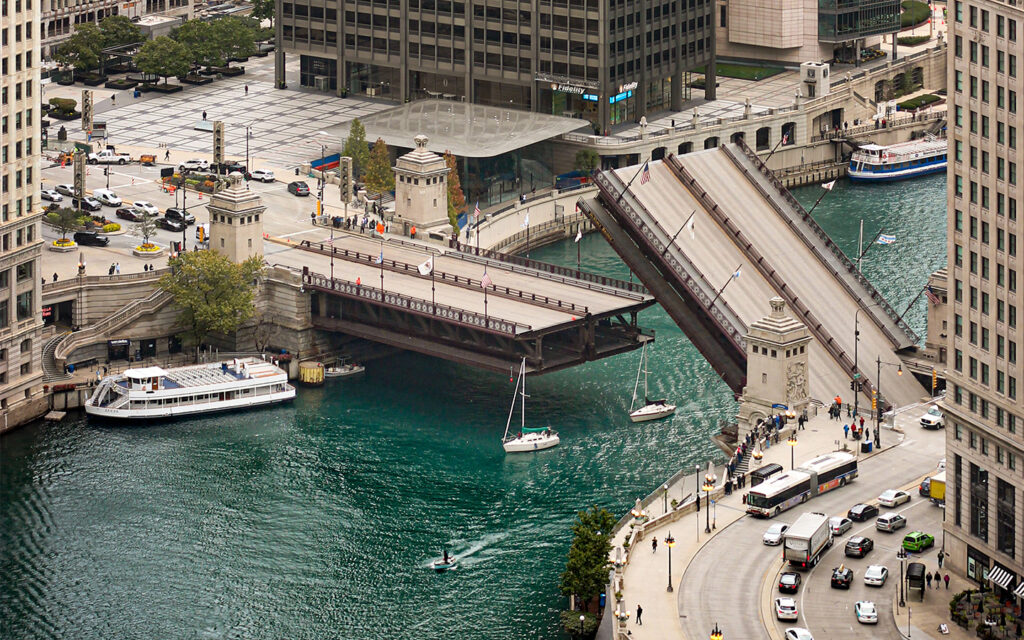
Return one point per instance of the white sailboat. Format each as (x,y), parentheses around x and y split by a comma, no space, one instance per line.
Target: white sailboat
(528,438)
(652,409)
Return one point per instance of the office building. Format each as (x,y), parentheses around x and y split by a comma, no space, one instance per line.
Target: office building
(60,17)
(984,416)
(607,61)
(20,239)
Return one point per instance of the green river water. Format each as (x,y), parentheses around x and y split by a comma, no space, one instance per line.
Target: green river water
(320,519)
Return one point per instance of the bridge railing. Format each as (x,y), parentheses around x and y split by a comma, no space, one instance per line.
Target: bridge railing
(77,281)
(660,240)
(890,123)
(359,291)
(851,270)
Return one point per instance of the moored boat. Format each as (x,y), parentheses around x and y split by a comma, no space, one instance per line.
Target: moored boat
(343,370)
(877,163)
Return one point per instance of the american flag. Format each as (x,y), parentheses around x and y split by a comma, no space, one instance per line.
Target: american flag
(485,281)
(476,212)
(934,299)
(645,174)
(785,139)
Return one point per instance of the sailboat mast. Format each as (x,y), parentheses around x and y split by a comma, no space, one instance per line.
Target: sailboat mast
(643,350)
(645,376)
(522,417)
(512,407)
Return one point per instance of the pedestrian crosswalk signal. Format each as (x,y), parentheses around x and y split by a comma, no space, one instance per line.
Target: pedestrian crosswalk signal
(218,142)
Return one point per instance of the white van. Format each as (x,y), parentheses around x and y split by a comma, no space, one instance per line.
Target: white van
(107,197)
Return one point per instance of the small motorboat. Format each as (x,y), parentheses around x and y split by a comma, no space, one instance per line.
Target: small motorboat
(447,563)
(340,371)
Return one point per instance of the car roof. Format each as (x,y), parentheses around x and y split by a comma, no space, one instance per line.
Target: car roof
(876,568)
(785,600)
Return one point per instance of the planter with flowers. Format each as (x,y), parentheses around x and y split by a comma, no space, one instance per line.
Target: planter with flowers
(147,250)
(63,245)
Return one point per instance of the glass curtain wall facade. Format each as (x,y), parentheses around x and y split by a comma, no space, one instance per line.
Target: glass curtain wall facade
(845,20)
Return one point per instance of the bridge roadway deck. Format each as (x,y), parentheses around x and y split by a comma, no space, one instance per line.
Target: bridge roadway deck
(717,255)
(577,296)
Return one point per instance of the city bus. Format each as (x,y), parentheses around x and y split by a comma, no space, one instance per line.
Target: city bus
(772,497)
(830,471)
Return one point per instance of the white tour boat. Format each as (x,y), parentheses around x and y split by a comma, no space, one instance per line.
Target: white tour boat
(875,163)
(342,370)
(528,438)
(153,392)
(652,409)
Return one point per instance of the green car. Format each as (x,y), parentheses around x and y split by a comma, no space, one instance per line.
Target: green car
(918,541)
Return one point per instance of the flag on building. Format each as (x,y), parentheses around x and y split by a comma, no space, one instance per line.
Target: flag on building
(785,139)
(476,212)
(427,267)
(579,236)
(486,281)
(828,185)
(930,293)
(380,258)
(885,239)
(526,221)
(645,174)
(737,274)
(689,225)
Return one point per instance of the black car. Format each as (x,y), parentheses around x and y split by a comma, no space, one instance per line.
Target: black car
(91,238)
(789,582)
(180,215)
(842,577)
(862,512)
(129,213)
(171,225)
(298,188)
(859,546)
(86,204)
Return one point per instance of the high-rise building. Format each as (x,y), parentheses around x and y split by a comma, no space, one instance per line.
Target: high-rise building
(60,17)
(607,61)
(984,415)
(20,238)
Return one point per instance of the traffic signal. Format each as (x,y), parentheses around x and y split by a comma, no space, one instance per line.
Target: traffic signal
(935,381)
(218,142)
(853,385)
(345,173)
(87,111)
(874,400)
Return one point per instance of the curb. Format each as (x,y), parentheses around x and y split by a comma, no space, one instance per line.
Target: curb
(765,610)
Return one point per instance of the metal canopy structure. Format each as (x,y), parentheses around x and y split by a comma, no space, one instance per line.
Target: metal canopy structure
(467,130)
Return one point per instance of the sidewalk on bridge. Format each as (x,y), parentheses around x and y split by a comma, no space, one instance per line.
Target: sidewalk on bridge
(644,577)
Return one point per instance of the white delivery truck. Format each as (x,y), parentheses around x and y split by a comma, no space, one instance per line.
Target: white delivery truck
(108,156)
(806,540)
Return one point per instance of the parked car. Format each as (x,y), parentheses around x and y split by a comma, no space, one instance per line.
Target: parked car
(933,419)
(263,175)
(862,512)
(87,203)
(859,546)
(170,224)
(65,189)
(890,521)
(149,208)
(129,213)
(773,536)
(893,498)
(51,195)
(918,541)
(866,612)
(839,525)
(798,633)
(91,239)
(181,215)
(298,188)
(842,576)
(789,582)
(785,609)
(107,197)
(195,164)
(876,575)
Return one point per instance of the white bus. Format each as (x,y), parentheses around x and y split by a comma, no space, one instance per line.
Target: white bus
(774,496)
(830,471)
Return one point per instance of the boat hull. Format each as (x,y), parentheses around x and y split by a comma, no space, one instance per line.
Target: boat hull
(192,409)
(342,372)
(652,412)
(525,444)
(893,176)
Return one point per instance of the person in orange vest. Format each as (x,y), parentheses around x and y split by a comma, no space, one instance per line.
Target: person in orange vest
(412,232)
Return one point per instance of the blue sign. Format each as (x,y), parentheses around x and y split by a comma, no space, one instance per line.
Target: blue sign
(779,406)
(586,96)
(621,96)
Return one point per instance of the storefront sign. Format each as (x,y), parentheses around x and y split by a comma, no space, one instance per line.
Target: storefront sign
(629,86)
(567,88)
(621,96)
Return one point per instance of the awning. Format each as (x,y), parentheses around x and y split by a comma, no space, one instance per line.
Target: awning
(1019,591)
(1000,576)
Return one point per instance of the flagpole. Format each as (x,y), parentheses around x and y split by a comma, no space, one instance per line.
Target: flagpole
(382,266)
(731,278)
(912,302)
(774,149)
(630,183)
(692,213)
(874,241)
(433,303)
(819,199)
(860,244)
(578,256)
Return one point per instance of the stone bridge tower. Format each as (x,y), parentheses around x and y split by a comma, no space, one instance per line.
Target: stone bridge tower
(236,221)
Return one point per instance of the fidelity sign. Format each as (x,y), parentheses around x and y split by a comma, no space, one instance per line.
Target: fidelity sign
(568,88)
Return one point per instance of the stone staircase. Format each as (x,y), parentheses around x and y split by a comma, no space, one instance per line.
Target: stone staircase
(52,372)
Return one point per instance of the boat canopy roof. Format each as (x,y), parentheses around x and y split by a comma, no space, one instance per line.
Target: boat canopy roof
(534,429)
(870,147)
(145,372)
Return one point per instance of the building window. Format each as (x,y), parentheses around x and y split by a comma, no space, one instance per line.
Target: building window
(958,474)
(1006,531)
(979,502)
(25,306)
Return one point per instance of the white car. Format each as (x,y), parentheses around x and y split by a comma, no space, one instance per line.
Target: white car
(51,195)
(798,633)
(839,525)
(263,175)
(107,197)
(893,498)
(194,164)
(933,419)
(147,207)
(66,189)
(785,609)
(866,612)
(773,536)
(876,575)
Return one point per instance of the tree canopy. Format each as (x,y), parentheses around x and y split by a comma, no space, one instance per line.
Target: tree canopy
(66,219)
(145,227)
(456,199)
(587,160)
(263,10)
(586,570)
(197,36)
(379,175)
(82,49)
(235,36)
(355,148)
(163,57)
(119,30)
(212,293)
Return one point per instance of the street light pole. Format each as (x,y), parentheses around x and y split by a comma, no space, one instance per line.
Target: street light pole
(709,485)
(582,619)
(878,394)
(901,554)
(670,542)
(792,449)
(664,489)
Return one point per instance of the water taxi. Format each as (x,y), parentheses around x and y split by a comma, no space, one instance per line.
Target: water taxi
(154,392)
(876,163)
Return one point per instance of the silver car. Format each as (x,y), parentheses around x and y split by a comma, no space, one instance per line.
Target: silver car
(51,195)
(773,536)
(839,525)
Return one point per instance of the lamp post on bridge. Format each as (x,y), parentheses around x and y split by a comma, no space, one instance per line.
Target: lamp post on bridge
(877,398)
(855,383)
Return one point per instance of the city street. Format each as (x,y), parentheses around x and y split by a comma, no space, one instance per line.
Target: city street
(727,574)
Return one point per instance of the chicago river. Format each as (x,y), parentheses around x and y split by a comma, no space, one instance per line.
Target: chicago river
(320,519)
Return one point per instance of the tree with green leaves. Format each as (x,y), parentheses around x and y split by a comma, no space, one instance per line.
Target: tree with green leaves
(197,36)
(259,32)
(587,160)
(586,570)
(379,175)
(456,199)
(263,10)
(82,49)
(212,293)
(119,30)
(356,148)
(235,37)
(163,57)
(66,219)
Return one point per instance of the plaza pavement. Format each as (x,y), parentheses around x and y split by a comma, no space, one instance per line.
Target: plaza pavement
(645,574)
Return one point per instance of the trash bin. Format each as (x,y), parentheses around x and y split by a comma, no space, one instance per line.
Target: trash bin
(137,93)
(865,447)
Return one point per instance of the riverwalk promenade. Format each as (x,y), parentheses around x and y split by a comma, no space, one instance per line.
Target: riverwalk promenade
(704,586)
